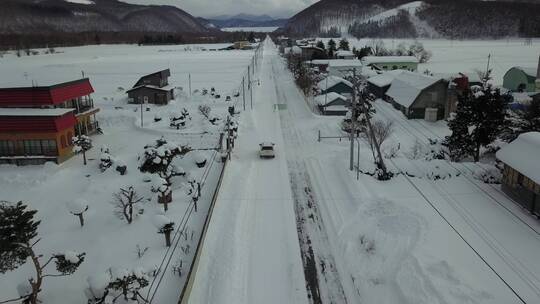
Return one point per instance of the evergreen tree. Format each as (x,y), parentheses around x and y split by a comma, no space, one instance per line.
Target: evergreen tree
(363,52)
(17,231)
(479,120)
(523,121)
(344,44)
(331,48)
(320,45)
(81,144)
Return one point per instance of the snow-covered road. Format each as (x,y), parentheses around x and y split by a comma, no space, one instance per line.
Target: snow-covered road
(251,252)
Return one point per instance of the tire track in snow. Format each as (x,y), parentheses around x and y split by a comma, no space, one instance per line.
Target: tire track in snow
(322,279)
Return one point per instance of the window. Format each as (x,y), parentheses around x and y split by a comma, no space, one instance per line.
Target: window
(49,147)
(32,147)
(433,96)
(145,99)
(7,148)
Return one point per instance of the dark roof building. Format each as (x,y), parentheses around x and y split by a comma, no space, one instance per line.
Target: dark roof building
(152,88)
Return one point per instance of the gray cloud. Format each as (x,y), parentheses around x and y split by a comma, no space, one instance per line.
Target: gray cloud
(209,8)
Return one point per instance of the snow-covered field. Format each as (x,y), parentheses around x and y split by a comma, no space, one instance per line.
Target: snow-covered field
(452,56)
(109,242)
(260,29)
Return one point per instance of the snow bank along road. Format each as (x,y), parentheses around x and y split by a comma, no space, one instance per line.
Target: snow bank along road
(251,253)
(359,241)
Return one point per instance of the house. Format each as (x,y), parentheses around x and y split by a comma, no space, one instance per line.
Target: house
(379,84)
(342,54)
(152,88)
(521,174)
(333,104)
(242,45)
(344,67)
(520,79)
(386,63)
(38,123)
(416,94)
(312,52)
(335,84)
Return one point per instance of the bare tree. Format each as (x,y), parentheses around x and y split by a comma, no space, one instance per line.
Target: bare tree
(381,132)
(125,202)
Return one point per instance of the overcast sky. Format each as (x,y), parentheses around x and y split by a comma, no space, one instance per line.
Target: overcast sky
(210,8)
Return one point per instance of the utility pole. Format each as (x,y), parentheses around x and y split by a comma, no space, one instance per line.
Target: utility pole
(353,122)
(244,91)
(485,80)
(189,76)
(250,88)
(142,114)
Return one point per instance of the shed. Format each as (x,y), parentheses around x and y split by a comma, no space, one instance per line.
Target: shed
(386,63)
(521,174)
(333,104)
(520,79)
(335,84)
(344,67)
(412,93)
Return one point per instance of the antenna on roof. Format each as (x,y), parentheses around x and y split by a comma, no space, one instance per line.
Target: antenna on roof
(82,72)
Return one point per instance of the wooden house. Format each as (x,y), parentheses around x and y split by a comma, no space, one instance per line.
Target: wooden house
(416,94)
(521,174)
(333,104)
(388,63)
(309,52)
(335,84)
(379,84)
(152,88)
(342,54)
(520,79)
(38,123)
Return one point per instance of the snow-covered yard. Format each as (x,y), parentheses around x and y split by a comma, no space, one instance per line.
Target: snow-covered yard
(110,243)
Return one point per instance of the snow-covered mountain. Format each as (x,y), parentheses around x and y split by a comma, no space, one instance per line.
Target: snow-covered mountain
(427,18)
(72,16)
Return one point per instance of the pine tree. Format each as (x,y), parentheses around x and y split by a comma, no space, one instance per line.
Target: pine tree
(523,121)
(17,231)
(331,48)
(81,144)
(479,120)
(344,44)
(320,45)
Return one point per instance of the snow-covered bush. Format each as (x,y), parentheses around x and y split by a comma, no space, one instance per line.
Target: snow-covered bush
(81,144)
(488,174)
(118,285)
(78,207)
(126,203)
(205,110)
(158,158)
(105,161)
(165,226)
(200,159)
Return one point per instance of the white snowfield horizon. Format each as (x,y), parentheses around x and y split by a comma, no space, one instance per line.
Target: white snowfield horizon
(407,240)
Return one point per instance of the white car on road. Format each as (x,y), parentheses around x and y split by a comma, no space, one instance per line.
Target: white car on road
(267,150)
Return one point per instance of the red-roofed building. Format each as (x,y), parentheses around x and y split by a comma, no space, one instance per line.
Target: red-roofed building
(38,123)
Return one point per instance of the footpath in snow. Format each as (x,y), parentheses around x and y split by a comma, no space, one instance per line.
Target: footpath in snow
(251,253)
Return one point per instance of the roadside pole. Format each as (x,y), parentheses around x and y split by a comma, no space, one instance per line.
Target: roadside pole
(244,91)
(353,122)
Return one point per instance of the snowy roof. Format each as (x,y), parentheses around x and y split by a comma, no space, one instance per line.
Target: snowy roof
(529,71)
(328,98)
(33,112)
(336,108)
(331,81)
(406,87)
(388,59)
(296,50)
(521,155)
(165,88)
(385,78)
(344,63)
(344,53)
